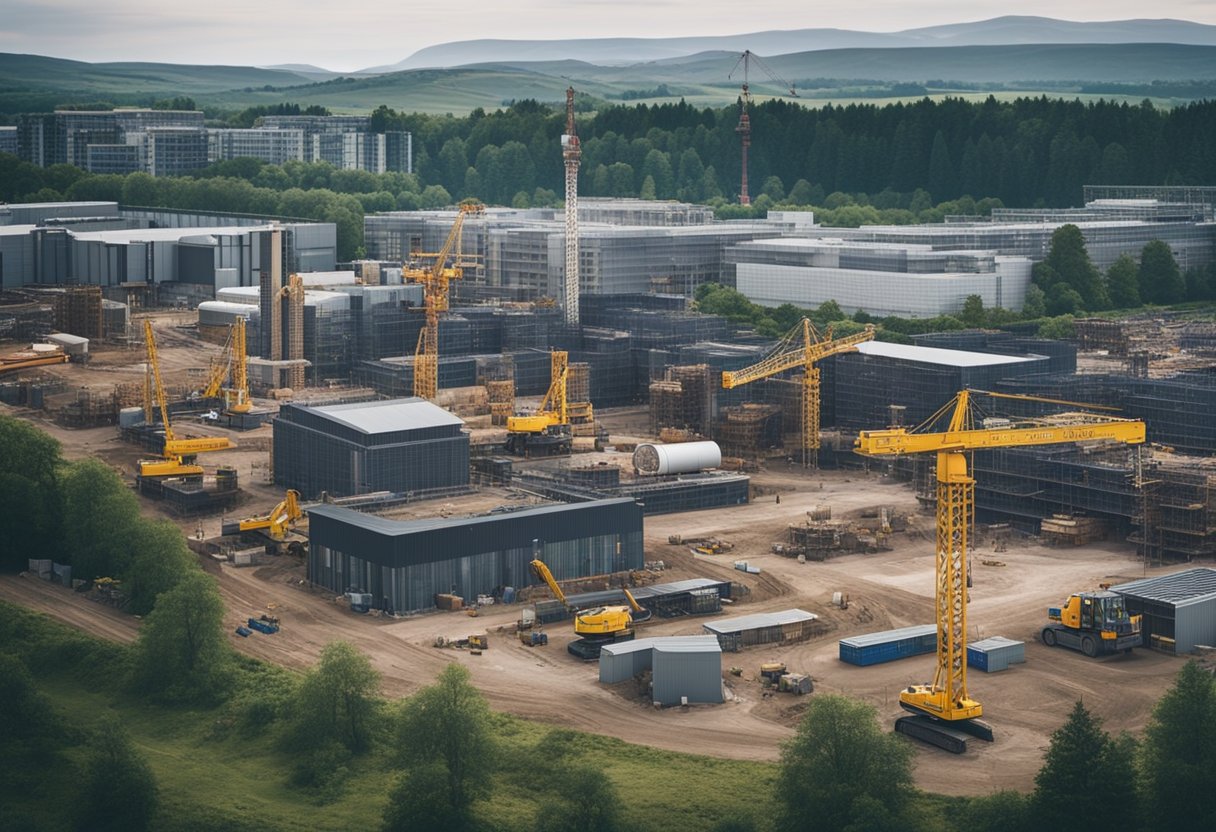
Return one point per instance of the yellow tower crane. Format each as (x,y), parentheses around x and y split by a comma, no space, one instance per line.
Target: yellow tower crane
(179,455)
(232,367)
(435,280)
(944,704)
(802,346)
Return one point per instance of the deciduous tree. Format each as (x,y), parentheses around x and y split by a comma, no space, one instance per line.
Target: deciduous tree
(119,791)
(336,702)
(838,761)
(449,723)
(182,654)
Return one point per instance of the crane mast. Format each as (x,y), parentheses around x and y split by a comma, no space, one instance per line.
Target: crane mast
(744,129)
(571,156)
(435,281)
(945,699)
(789,354)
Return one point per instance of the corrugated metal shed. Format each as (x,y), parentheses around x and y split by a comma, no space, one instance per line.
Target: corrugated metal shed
(782,627)
(1179,610)
(688,669)
(1192,586)
(996,653)
(759,620)
(624,660)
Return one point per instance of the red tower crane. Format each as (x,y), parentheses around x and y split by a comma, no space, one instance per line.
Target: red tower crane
(745,99)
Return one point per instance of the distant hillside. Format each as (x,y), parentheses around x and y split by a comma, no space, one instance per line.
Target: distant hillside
(1010,30)
(35,72)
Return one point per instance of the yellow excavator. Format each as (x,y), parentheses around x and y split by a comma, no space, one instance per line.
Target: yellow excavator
(596,626)
(276,523)
(943,712)
(547,432)
(178,458)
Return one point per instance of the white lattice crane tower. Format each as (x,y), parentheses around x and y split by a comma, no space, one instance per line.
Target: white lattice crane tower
(571,155)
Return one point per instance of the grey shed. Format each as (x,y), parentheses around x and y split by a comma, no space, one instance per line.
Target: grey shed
(1179,610)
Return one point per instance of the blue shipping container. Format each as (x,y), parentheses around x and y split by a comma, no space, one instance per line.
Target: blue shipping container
(888,646)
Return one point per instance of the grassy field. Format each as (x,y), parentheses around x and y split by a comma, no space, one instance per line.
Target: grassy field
(213,776)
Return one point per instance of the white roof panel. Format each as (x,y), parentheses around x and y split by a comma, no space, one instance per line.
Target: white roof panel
(389,416)
(759,620)
(936,355)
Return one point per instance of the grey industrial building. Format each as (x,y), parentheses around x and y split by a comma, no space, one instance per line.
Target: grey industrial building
(1179,610)
(404,564)
(171,253)
(625,247)
(397,445)
(176,142)
(684,669)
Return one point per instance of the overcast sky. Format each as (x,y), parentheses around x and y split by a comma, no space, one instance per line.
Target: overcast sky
(353,34)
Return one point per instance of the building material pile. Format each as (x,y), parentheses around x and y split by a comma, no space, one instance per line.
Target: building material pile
(1070,530)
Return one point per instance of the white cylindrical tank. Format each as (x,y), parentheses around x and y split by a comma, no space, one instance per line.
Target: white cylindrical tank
(680,458)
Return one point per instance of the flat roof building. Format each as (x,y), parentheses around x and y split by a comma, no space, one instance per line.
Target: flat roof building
(404,564)
(1179,610)
(398,445)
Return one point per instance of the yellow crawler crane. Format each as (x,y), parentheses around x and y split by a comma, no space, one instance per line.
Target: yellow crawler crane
(547,432)
(945,713)
(596,626)
(802,346)
(435,280)
(232,367)
(178,458)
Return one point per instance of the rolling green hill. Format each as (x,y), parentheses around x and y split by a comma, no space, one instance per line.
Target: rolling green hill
(30,83)
(35,72)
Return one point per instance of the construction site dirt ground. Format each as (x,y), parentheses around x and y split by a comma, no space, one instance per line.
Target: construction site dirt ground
(887,589)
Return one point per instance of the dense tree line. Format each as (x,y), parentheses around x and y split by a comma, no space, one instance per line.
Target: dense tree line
(1024,152)
(855,164)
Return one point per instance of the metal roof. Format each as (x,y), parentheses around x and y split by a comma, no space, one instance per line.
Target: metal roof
(388,416)
(886,636)
(384,526)
(1191,586)
(759,620)
(674,588)
(666,644)
(993,643)
(936,355)
(124,236)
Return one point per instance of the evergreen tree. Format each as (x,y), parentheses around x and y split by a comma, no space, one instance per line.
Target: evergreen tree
(1085,774)
(1122,282)
(1178,756)
(1161,280)
(1069,263)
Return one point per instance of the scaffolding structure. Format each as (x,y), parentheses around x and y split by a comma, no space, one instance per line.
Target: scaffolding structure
(78,310)
(750,431)
(682,400)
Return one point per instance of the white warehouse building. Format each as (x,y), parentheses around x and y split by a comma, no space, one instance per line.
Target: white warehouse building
(910,281)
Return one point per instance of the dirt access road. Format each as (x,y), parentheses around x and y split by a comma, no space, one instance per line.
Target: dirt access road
(887,589)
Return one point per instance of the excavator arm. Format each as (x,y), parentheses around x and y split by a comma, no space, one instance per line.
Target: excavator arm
(542,573)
